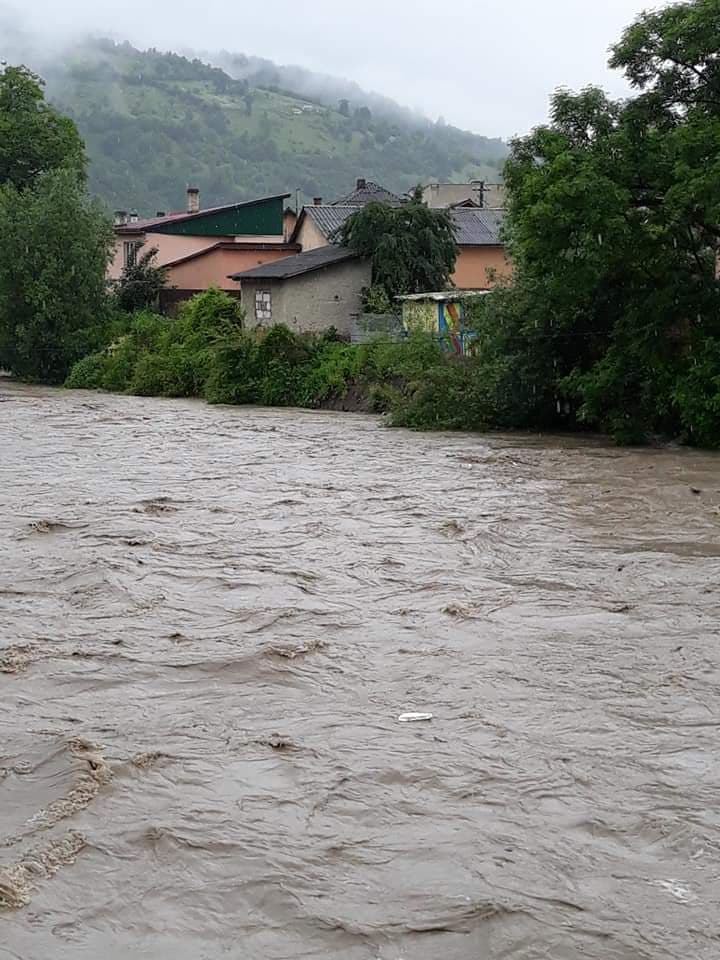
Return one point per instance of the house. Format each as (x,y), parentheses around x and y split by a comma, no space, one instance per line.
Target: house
(311,291)
(200,247)
(477,193)
(318,225)
(481,260)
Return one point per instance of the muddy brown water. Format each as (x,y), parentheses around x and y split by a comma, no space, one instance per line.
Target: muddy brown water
(211,619)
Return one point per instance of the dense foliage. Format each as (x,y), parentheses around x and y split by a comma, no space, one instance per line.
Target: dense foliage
(54,241)
(613,319)
(206,352)
(153,122)
(141,282)
(411,248)
(34,138)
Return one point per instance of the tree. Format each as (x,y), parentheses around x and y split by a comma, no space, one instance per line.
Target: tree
(344,108)
(613,227)
(362,118)
(412,248)
(34,138)
(141,283)
(55,246)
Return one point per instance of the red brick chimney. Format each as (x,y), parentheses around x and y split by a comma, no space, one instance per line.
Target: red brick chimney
(362,183)
(317,201)
(193,200)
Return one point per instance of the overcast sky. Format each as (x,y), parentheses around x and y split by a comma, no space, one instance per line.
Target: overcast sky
(487,65)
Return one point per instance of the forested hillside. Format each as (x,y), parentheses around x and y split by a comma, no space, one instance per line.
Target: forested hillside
(156,121)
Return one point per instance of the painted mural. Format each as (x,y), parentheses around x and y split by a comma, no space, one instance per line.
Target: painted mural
(445,319)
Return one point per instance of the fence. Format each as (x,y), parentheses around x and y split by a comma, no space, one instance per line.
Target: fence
(373,326)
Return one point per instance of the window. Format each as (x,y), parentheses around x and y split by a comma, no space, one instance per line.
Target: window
(263,305)
(130,252)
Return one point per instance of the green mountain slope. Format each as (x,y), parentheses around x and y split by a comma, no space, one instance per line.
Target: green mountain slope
(154,122)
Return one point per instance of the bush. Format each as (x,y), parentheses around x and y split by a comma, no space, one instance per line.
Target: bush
(450,396)
(160,356)
(87,373)
(697,395)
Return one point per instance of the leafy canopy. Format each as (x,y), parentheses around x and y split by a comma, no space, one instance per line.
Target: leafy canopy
(55,246)
(412,248)
(613,226)
(141,283)
(34,138)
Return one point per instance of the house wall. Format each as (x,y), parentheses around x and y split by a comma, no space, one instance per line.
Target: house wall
(315,301)
(440,195)
(171,247)
(310,237)
(214,268)
(289,221)
(473,264)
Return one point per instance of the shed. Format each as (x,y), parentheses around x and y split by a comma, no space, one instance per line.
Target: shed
(442,314)
(309,292)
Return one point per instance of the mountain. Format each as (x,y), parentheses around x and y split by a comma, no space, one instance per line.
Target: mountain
(154,122)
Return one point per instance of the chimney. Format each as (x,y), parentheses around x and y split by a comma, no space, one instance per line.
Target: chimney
(121,218)
(134,216)
(362,183)
(193,200)
(160,213)
(317,201)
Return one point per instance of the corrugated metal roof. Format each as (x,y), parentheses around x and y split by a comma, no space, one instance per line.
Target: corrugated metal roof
(296,266)
(477,227)
(140,226)
(444,296)
(328,218)
(474,226)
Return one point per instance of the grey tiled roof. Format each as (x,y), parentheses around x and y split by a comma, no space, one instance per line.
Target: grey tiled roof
(298,265)
(367,194)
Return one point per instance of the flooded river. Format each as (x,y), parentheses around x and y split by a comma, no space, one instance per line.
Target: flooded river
(211,620)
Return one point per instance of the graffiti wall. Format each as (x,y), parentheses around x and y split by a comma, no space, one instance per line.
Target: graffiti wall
(445,319)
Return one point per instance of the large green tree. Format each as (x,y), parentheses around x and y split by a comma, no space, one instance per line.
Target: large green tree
(412,248)
(55,242)
(34,138)
(613,226)
(55,245)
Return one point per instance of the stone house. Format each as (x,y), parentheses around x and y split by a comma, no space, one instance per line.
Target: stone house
(311,291)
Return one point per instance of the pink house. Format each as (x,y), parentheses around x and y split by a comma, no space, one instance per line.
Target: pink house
(201,248)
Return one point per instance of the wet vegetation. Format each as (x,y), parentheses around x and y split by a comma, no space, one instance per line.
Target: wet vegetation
(207,352)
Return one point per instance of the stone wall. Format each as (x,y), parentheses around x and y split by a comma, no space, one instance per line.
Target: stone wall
(315,301)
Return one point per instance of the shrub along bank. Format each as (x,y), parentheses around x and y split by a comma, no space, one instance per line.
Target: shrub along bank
(205,352)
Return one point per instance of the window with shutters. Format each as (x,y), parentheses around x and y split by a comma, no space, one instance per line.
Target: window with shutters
(263,305)
(130,252)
